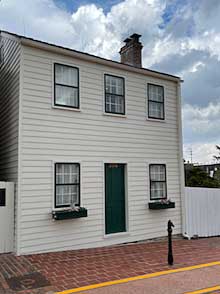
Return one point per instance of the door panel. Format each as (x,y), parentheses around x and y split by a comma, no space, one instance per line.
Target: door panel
(114,198)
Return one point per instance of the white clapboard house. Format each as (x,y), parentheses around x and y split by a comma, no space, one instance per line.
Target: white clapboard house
(93,146)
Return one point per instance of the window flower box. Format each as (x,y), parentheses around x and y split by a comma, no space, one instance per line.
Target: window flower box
(69,213)
(162,204)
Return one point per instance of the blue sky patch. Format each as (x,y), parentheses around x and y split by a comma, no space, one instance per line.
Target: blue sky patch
(71,5)
(171,8)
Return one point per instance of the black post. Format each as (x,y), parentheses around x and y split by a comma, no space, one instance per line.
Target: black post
(170,251)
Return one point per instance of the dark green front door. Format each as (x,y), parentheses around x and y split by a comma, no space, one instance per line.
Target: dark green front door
(114,198)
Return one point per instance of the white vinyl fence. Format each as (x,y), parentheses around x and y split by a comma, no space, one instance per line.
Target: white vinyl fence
(6,217)
(202,212)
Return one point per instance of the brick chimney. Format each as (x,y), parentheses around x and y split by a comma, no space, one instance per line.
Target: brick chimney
(131,51)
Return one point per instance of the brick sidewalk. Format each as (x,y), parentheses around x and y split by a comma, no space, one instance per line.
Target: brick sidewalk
(71,269)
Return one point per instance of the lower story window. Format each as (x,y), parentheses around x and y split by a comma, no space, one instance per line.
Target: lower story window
(158,184)
(67,184)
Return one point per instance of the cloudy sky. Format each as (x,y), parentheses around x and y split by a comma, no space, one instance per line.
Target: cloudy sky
(181,37)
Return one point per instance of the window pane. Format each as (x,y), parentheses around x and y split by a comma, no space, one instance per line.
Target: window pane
(114,103)
(66,96)
(156,110)
(157,173)
(158,190)
(66,75)
(114,85)
(156,93)
(67,195)
(67,173)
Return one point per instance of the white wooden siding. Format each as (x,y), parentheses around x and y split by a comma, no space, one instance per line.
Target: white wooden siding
(9,99)
(9,114)
(92,138)
(7,219)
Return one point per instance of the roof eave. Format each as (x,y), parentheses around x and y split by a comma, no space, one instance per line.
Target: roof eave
(95,59)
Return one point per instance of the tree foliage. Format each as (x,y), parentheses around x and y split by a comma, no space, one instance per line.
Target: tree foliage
(217,175)
(196,177)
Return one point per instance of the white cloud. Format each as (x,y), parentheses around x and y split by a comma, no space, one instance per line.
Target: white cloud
(90,29)
(200,153)
(203,86)
(103,34)
(207,41)
(87,29)
(38,18)
(201,124)
(136,16)
(207,15)
(201,132)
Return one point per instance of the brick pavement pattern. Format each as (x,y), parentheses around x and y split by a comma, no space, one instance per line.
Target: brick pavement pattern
(71,269)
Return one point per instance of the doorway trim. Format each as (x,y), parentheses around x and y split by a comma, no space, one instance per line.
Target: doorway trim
(126,169)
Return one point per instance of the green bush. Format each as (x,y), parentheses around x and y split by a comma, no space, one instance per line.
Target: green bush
(196,177)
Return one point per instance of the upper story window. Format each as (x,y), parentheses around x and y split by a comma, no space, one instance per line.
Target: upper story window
(66,86)
(158,184)
(67,184)
(114,94)
(155,101)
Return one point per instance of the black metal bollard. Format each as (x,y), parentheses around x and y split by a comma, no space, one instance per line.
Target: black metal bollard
(170,250)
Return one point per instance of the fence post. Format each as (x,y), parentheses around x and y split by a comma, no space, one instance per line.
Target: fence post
(170,250)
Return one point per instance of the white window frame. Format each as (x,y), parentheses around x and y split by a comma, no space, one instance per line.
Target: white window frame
(55,184)
(152,82)
(149,179)
(104,94)
(63,107)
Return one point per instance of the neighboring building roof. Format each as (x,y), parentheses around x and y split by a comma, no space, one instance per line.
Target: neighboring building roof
(38,43)
(211,165)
